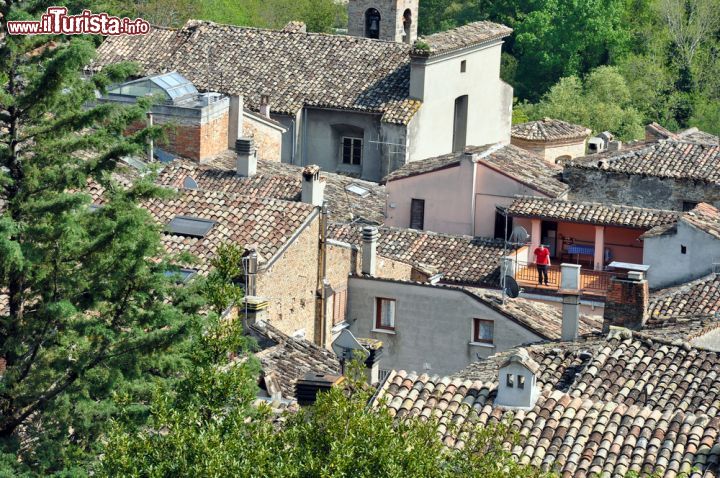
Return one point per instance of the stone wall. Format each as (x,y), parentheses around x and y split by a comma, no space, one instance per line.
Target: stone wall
(634,190)
(551,151)
(626,304)
(290,284)
(268,140)
(391,18)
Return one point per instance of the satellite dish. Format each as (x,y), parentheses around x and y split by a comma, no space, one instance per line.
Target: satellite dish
(512,289)
(346,344)
(189,183)
(519,235)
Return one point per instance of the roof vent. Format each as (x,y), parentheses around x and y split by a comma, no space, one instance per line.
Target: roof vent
(517,382)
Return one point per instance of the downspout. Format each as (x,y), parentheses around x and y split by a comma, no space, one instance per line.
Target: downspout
(292,141)
(304,137)
(474,195)
(321,326)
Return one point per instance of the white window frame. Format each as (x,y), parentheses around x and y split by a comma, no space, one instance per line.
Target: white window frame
(352,150)
(377,327)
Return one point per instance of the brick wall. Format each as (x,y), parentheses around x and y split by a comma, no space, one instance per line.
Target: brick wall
(626,304)
(268,141)
(290,285)
(634,190)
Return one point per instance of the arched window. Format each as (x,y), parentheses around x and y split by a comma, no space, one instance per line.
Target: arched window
(407,24)
(372,23)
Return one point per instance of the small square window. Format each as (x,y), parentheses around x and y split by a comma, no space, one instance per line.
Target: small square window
(510,380)
(521,381)
(384,313)
(683,249)
(483,331)
(463,66)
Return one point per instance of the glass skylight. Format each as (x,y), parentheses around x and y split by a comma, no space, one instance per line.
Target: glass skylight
(190,226)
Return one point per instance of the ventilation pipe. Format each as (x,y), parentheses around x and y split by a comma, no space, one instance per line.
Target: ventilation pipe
(246,157)
(570,292)
(370,236)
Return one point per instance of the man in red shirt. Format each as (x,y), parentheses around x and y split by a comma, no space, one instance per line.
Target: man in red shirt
(542,261)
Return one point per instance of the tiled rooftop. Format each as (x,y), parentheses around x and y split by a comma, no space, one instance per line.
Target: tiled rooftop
(461,259)
(548,129)
(608,406)
(294,68)
(704,217)
(684,158)
(519,164)
(285,359)
(544,319)
(461,37)
(699,298)
(281,181)
(591,213)
(263,224)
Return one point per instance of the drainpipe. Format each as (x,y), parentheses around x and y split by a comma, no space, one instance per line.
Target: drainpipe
(292,141)
(321,325)
(304,137)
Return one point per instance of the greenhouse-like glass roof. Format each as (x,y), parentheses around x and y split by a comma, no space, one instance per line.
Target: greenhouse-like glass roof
(170,86)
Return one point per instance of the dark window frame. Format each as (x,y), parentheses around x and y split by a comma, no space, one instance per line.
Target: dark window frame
(378,313)
(413,223)
(463,66)
(354,150)
(477,322)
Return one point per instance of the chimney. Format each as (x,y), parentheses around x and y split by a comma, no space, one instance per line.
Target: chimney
(313,186)
(151,143)
(517,382)
(265,105)
(570,292)
(372,363)
(370,236)
(246,157)
(307,388)
(250,268)
(255,311)
(235,120)
(627,302)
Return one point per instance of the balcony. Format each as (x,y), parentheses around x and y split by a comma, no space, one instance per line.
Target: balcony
(593,283)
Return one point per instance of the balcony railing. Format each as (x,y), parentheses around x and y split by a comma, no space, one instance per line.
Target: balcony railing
(591,282)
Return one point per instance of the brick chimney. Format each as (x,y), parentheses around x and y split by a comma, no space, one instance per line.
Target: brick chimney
(246,157)
(313,186)
(265,105)
(627,302)
(370,236)
(570,292)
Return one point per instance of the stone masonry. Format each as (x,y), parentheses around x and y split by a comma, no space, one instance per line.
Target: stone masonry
(637,190)
(626,304)
(392,27)
(268,141)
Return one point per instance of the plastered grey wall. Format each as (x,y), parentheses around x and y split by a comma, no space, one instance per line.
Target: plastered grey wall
(669,266)
(432,326)
(634,190)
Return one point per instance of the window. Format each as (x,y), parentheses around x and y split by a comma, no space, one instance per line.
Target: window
(357,189)
(510,380)
(417,214)
(483,331)
(500,226)
(407,25)
(339,306)
(521,382)
(463,66)
(683,249)
(689,205)
(460,124)
(352,150)
(190,226)
(385,313)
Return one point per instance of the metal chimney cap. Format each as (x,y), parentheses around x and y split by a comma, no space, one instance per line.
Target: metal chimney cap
(370,233)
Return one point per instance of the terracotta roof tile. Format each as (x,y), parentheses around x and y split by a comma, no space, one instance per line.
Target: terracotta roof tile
(461,259)
(548,129)
(608,406)
(461,37)
(285,359)
(591,213)
(519,164)
(699,298)
(671,159)
(294,68)
(263,224)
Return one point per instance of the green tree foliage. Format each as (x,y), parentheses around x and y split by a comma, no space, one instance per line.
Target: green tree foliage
(90,312)
(602,102)
(207,426)
(223,285)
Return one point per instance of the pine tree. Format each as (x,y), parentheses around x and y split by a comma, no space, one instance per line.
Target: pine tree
(87,313)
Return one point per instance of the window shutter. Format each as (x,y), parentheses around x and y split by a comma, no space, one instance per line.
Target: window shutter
(417,214)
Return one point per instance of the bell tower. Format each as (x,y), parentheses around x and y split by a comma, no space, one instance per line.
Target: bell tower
(390,20)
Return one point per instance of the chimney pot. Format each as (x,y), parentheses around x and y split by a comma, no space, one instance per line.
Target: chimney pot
(313,186)
(370,236)
(246,157)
